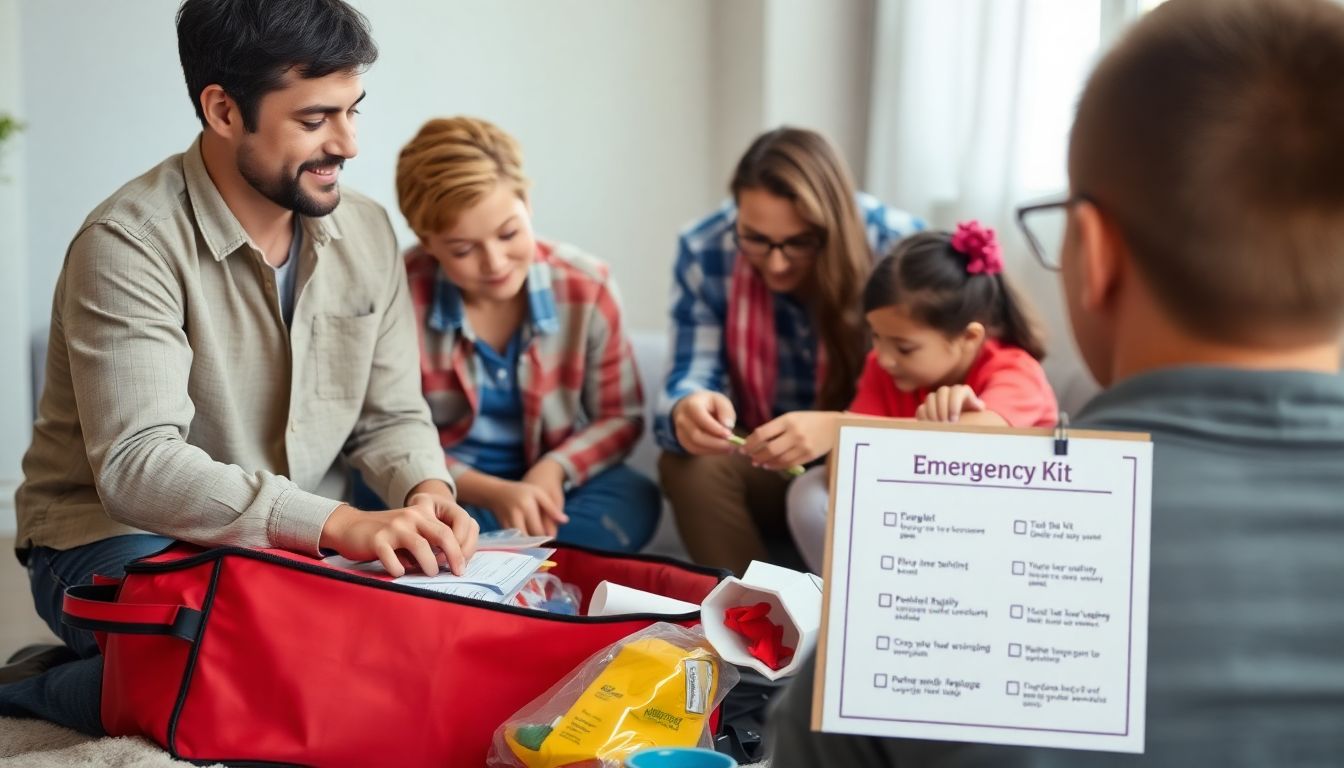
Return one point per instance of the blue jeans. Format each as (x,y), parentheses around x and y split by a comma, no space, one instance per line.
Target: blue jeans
(71,694)
(616,510)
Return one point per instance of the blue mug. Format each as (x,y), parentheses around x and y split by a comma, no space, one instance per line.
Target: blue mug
(679,757)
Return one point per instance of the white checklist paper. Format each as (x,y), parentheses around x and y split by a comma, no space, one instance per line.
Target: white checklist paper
(981,588)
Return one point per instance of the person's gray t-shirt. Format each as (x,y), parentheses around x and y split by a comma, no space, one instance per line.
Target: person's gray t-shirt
(1246,616)
(287,274)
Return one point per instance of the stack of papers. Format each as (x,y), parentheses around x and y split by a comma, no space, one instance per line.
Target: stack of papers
(498,569)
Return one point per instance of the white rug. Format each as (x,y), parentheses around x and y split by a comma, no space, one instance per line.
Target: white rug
(39,744)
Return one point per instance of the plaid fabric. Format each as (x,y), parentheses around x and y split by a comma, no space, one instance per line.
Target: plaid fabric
(582,403)
(701,284)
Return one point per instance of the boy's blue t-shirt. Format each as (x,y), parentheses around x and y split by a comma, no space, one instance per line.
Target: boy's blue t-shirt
(494,445)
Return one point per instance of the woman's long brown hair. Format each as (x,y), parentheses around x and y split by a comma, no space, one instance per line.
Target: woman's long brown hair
(801,166)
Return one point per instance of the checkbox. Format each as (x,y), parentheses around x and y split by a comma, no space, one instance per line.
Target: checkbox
(888,562)
(1015,612)
(1019,526)
(879,680)
(889,519)
(1019,568)
(1012,689)
(884,600)
(883,643)
(1014,649)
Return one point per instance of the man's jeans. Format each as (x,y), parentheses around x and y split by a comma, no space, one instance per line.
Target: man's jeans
(70,694)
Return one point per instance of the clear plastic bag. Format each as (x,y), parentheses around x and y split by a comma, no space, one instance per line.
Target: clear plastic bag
(654,688)
(544,592)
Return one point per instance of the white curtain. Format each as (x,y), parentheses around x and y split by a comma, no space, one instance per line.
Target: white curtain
(971,107)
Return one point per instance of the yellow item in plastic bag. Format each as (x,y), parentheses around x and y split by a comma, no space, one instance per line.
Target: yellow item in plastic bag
(651,694)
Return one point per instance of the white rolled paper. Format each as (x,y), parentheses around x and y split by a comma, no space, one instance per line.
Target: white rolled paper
(612,599)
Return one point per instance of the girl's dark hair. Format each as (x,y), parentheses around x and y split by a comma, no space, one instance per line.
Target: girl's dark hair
(924,273)
(247,46)
(801,166)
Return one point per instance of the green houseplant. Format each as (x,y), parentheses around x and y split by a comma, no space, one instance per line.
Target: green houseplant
(9,126)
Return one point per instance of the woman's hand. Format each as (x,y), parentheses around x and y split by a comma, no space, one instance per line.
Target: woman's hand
(792,439)
(704,421)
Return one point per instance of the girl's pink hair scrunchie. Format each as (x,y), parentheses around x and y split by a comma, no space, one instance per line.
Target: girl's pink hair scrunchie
(982,251)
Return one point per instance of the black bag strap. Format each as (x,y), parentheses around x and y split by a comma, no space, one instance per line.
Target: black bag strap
(94,607)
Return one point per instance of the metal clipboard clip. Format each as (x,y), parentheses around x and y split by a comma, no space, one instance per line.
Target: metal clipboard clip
(1062,435)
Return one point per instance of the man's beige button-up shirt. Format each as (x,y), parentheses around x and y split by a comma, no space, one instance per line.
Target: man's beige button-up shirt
(178,402)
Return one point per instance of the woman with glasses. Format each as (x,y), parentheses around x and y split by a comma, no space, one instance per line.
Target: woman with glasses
(768,340)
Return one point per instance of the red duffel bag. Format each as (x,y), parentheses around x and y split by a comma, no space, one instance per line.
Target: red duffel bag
(238,655)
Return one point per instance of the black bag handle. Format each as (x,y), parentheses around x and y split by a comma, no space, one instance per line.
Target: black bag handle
(94,607)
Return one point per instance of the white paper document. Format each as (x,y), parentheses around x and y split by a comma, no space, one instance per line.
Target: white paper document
(509,538)
(610,599)
(982,588)
(492,575)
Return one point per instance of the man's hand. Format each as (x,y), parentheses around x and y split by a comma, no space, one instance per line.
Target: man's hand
(430,531)
(465,529)
(704,421)
(792,439)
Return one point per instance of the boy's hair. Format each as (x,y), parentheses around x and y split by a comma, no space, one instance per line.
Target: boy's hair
(801,166)
(925,274)
(1211,136)
(449,166)
(247,46)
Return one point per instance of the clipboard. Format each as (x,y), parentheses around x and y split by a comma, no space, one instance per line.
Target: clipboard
(1058,444)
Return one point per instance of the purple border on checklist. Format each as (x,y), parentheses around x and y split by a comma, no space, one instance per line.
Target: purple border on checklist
(1129,659)
(849,572)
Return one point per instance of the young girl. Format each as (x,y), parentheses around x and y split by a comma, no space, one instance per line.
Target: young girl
(952,341)
(524,359)
(766,325)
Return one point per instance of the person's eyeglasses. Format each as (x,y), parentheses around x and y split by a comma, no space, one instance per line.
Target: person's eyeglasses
(800,248)
(1043,225)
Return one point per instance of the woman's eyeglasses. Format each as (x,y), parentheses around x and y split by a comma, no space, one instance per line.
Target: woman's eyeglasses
(800,248)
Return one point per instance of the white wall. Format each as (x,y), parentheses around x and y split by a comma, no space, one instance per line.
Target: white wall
(14,383)
(609,98)
(737,61)
(806,63)
(818,63)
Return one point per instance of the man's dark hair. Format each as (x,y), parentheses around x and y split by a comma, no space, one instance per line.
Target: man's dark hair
(247,46)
